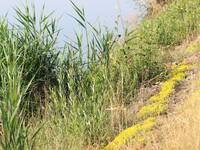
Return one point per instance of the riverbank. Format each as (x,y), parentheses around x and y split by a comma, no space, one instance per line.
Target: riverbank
(135,136)
(72,99)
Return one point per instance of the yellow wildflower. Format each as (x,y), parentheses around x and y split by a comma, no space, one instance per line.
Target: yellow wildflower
(131,132)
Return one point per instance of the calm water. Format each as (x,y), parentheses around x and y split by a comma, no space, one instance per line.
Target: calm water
(105,12)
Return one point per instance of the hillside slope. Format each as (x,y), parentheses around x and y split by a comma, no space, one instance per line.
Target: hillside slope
(179,127)
(170,119)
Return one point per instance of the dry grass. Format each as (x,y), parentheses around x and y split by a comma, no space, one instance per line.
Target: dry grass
(188,48)
(156,7)
(181,130)
(157,106)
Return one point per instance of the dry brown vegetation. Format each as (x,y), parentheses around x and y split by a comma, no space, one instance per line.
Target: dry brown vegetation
(180,129)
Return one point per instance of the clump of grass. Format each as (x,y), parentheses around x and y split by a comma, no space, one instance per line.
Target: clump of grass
(15,133)
(36,36)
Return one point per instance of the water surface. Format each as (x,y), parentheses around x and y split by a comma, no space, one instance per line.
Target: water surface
(105,12)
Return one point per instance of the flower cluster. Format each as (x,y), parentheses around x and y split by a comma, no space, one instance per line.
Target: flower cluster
(131,132)
(158,103)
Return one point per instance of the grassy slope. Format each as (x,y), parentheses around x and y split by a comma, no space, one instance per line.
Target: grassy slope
(122,137)
(180,128)
(148,114)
